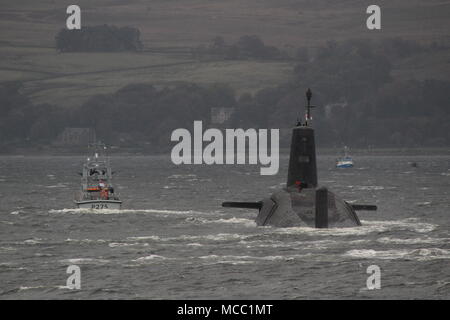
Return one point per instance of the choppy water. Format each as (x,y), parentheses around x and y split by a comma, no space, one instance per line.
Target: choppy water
(173,240)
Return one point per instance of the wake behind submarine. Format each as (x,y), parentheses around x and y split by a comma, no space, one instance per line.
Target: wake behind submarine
(302,203)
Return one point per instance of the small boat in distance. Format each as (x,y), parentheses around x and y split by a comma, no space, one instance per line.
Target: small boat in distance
(97,190)
(346,161)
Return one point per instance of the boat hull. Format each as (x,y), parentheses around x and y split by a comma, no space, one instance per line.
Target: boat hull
(99,204)
(344,165)
(346,162)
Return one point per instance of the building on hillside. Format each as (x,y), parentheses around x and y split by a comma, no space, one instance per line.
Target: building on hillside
(220,117)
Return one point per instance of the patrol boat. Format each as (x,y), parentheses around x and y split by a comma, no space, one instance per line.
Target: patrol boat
(97,190)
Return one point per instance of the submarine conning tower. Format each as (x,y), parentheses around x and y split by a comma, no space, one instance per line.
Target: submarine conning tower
(302,169)
(302,160)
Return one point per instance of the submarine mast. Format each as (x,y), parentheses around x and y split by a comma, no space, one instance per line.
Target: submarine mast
(302,159)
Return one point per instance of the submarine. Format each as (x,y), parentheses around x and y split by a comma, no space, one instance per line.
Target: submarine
(302,203)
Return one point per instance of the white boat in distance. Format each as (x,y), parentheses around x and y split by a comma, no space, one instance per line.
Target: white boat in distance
(97,190)
(346,161)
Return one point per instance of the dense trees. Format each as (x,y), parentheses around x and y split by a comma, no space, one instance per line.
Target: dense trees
(141,113)
(21,121)
(360,104)
(246,47)
(99,38)
(345,71)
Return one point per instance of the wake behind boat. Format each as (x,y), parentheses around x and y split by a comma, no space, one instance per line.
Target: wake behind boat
(97,190)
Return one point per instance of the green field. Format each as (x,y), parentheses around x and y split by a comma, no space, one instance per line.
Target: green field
(70,78)
(28,28)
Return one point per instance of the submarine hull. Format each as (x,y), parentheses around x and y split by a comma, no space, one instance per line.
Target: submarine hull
(291,208)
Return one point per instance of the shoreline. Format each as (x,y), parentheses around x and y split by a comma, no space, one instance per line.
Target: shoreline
(418,151)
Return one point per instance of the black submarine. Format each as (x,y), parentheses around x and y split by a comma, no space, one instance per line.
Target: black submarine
(302,203)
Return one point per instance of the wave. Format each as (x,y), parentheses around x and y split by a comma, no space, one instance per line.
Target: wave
(43,255)
(300,245)
(152,257)
(31,241)
(251,240)
(371,188)
(22,288)
(194,244)
(59,185)
(234,220)
(423,204)
(240,221)
(423,254)
(124,244)
(409,224)
(245,259)
(7,264)
(126,211)
(276,186)
(178,176)
(84,261)
(156,238)
(226,259)
(213,237)
(210,237)
(368,226)
(427,240)
(86,240)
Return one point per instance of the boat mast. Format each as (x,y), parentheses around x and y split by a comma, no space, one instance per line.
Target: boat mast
(308,106)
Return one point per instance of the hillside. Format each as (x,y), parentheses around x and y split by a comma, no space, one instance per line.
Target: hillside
(170,28)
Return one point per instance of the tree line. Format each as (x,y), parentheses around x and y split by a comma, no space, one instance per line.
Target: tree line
(245,48)
(103,38)
(359,104)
